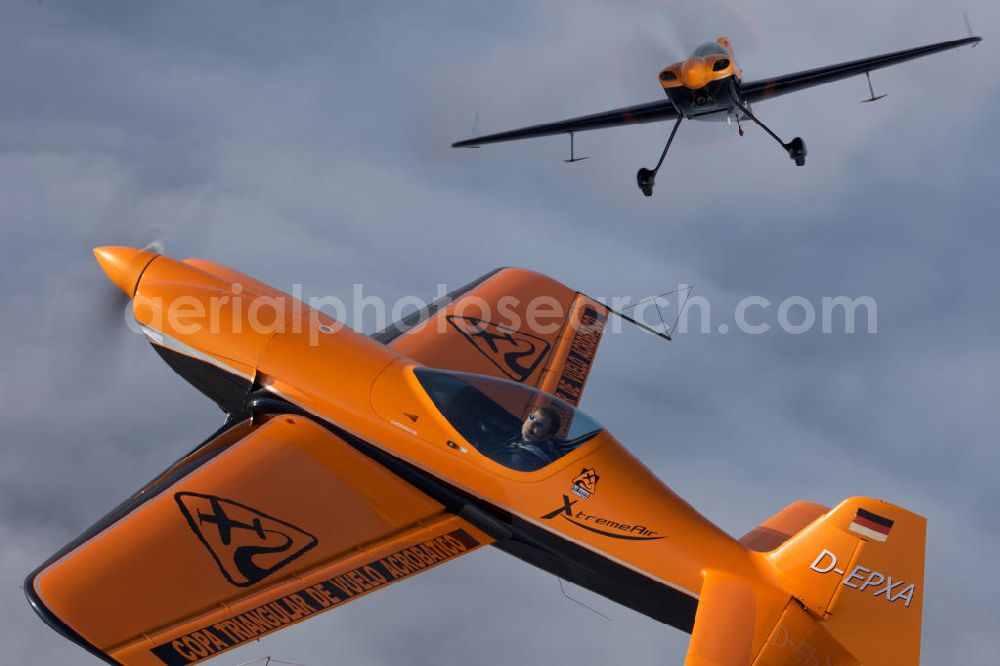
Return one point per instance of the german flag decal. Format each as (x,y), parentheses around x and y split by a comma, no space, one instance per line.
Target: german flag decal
(871,526)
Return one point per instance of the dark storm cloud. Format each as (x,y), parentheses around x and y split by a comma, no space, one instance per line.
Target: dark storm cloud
(308,143)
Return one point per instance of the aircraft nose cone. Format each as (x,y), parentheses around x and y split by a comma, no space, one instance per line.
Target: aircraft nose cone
(694,74)
(123,265)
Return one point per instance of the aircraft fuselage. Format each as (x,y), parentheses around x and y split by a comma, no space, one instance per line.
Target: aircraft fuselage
(706,85)
(715,101)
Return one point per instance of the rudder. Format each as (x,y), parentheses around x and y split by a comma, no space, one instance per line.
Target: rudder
(859,570)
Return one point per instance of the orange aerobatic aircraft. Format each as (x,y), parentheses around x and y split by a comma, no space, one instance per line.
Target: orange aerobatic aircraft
(349,462)
(709,86)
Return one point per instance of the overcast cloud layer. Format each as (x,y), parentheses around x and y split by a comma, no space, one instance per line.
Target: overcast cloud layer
(307,142)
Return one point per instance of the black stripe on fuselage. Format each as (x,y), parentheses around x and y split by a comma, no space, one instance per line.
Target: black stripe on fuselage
(229,391)
(527,541)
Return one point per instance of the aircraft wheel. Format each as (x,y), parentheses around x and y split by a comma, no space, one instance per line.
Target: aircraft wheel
(797,150)
(646,179)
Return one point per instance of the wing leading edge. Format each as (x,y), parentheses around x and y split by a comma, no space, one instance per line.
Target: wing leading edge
(755,91)
(628,115)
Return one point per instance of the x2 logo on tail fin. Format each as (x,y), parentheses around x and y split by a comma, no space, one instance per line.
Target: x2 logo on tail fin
(247,544)
(516,354)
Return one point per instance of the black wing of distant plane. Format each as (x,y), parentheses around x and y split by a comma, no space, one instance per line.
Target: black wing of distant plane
(755,91)
(752,92)
(640,113)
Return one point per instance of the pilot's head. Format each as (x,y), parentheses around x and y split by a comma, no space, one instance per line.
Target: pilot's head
(541,425)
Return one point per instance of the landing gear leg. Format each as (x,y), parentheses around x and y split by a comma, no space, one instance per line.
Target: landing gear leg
(646,178)
(796,148)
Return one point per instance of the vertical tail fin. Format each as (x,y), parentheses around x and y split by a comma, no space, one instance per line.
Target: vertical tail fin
(859,570)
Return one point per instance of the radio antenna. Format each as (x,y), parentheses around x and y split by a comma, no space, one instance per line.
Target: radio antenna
(578,602)
(667,332)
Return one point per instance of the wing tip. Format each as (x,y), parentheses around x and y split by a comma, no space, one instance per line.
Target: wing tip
(53,621)
(965,41)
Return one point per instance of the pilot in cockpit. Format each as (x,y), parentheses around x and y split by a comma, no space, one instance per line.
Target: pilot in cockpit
(537,445)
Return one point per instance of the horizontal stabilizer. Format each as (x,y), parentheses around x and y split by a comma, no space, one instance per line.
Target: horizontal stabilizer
(741,622)
(782,526)
(734,618)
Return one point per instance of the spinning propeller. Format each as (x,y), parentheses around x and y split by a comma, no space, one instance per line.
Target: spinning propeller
(89,340)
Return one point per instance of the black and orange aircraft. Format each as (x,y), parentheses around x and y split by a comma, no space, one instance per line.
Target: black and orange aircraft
(709,86)
(348,462)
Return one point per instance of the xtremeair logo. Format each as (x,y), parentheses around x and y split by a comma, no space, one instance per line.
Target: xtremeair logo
(608,527)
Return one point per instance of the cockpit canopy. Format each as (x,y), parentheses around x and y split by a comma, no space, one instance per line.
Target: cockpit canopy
(710,49)
(512,424)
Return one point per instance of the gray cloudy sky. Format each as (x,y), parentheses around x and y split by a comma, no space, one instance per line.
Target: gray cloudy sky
(307,142)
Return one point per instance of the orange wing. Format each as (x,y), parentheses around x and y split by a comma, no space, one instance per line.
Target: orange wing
(511,323)
(267,524)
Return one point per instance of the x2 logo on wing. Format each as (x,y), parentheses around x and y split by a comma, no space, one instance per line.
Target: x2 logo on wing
(514,353)
(247,544)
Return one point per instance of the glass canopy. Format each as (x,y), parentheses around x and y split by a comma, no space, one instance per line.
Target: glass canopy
(710,49)
(515,425)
